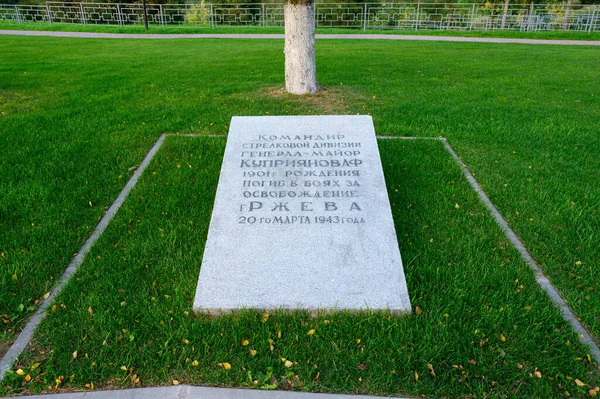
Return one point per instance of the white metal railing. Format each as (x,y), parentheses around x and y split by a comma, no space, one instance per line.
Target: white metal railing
(399,16)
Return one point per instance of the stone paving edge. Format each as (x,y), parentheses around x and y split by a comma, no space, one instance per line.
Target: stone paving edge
(197,392)
(96,35)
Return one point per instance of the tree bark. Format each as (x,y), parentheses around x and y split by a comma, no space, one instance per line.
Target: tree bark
(300,67)
(504,14)
(566,18)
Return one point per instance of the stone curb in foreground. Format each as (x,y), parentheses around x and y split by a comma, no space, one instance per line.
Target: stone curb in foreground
(193,392)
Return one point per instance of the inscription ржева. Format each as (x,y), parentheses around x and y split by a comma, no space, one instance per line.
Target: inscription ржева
(300,179)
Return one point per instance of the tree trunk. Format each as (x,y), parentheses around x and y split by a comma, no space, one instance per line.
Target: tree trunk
(566,19)
(300,67)
(504,14)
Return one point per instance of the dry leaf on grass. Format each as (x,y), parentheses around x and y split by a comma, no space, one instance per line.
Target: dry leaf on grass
(431,370)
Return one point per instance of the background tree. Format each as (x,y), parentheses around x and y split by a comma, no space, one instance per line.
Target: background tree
(300,66)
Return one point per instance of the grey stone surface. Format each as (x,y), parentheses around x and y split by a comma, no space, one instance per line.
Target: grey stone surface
(192,392)
(260,36)
(302,220)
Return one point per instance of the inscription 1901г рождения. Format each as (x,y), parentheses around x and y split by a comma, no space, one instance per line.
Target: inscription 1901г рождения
(301,220)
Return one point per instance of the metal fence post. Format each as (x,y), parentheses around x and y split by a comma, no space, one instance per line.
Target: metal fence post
(162,16)
(48,13)
(417,17)
(263,18)
(212,17)
(472,17)
(365,18)
(82,14)
(145,14)
(592,20)
(17,15)
(119,14)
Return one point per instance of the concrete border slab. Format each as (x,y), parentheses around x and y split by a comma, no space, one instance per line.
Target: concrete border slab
(186,391)
(25,336)
(195,392)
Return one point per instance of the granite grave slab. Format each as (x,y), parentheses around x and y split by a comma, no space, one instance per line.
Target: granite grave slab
(301,220)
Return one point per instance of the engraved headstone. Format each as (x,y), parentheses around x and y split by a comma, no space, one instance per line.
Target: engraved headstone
(301,220)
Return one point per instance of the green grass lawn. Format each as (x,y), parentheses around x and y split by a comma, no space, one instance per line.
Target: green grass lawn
(157,29)
(77,116)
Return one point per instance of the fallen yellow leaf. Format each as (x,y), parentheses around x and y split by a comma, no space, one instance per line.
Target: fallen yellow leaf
(195,363)
(75,355)
(252,352)
(502,338)
(265,317)
(311,332)
(175,382)
(35,366)
(46,295)
(90,310)
(288,364)
(226,366)
(27,378)
(537,374)
(579,383)
(20,372)
(416,376)
(245,342)
(124,368)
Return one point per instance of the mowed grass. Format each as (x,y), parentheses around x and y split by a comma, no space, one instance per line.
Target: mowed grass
(77,117)
(483,327)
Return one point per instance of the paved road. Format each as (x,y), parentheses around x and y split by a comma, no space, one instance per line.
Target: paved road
(279,36)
